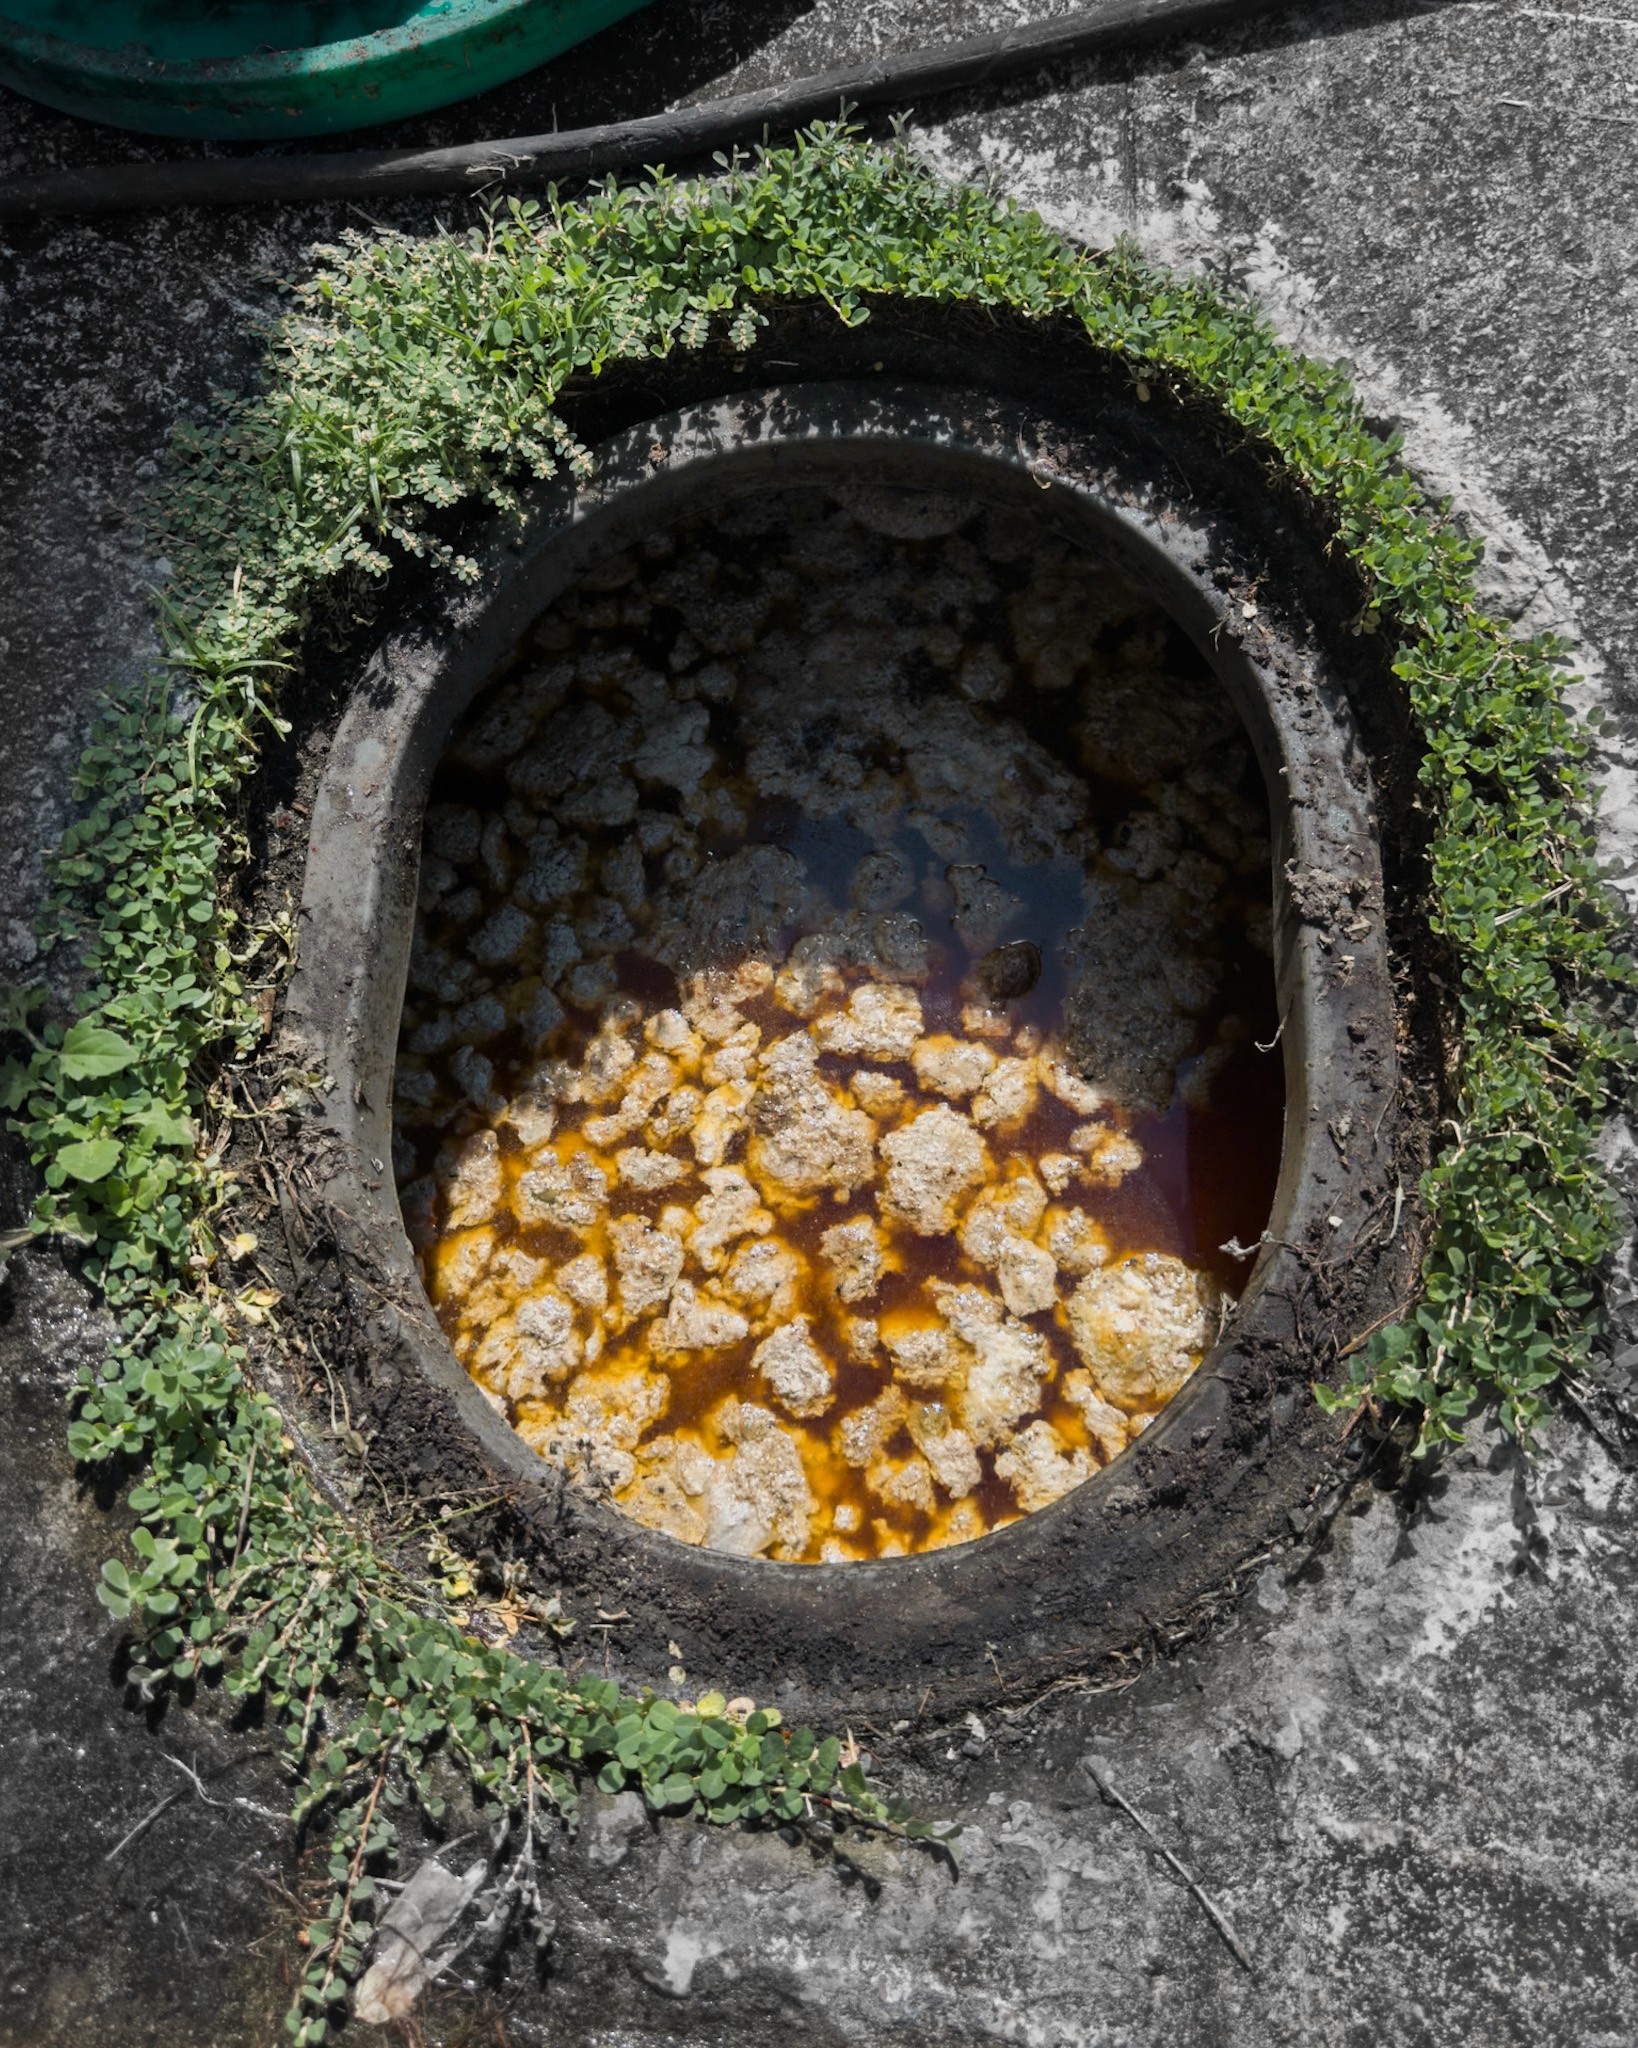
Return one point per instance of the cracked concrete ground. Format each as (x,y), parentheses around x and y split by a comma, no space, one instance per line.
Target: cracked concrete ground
(1404,1775)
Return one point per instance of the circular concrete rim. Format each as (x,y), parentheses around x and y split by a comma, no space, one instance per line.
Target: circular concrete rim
(1152,1531)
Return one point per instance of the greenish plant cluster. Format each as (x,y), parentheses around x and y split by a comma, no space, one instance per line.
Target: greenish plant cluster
(417,375)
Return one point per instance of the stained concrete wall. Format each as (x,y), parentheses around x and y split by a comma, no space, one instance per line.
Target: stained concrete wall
(1405,1775)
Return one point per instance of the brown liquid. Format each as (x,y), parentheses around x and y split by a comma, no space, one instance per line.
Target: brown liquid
(1208,1172)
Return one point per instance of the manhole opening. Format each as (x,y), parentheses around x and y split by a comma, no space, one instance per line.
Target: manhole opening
(838,1045)
(1136,497)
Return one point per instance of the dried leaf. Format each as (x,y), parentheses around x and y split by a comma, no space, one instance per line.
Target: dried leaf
(424,1911)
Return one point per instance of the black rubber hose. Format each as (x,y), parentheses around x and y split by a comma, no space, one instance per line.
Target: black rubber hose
(589,152)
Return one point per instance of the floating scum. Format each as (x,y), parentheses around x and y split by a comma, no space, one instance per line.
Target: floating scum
(820,1133)
(412,376)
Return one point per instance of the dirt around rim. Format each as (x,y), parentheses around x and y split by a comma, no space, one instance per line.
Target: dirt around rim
(1251,1455)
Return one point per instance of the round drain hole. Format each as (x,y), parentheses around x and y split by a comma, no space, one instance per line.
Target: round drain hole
(861,944)
(838,1039)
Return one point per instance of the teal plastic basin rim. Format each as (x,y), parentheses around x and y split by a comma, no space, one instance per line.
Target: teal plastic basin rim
(419,34)
(424,61)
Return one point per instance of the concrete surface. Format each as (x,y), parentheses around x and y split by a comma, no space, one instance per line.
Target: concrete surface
(1406,1778)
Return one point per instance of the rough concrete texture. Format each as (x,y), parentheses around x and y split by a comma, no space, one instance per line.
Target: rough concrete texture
(138,1850)
(1405,1776)
(1400,1779)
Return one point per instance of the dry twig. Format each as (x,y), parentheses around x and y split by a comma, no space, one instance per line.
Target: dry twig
(1098,1772)
(164,1806)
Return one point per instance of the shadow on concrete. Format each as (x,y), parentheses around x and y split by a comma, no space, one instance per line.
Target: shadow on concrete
(677,51)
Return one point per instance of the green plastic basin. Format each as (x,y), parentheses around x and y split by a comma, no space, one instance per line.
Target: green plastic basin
(266,68)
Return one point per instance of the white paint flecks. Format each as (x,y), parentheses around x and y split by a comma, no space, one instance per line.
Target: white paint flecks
(684,1952)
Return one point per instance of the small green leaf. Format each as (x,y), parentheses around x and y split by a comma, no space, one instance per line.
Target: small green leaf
(83,1441)
(91,1051)
(90,1159)
(164,1125)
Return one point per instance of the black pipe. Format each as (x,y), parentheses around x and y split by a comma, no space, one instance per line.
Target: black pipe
(589,152)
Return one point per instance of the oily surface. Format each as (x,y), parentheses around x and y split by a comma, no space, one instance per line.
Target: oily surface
(829,1070)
